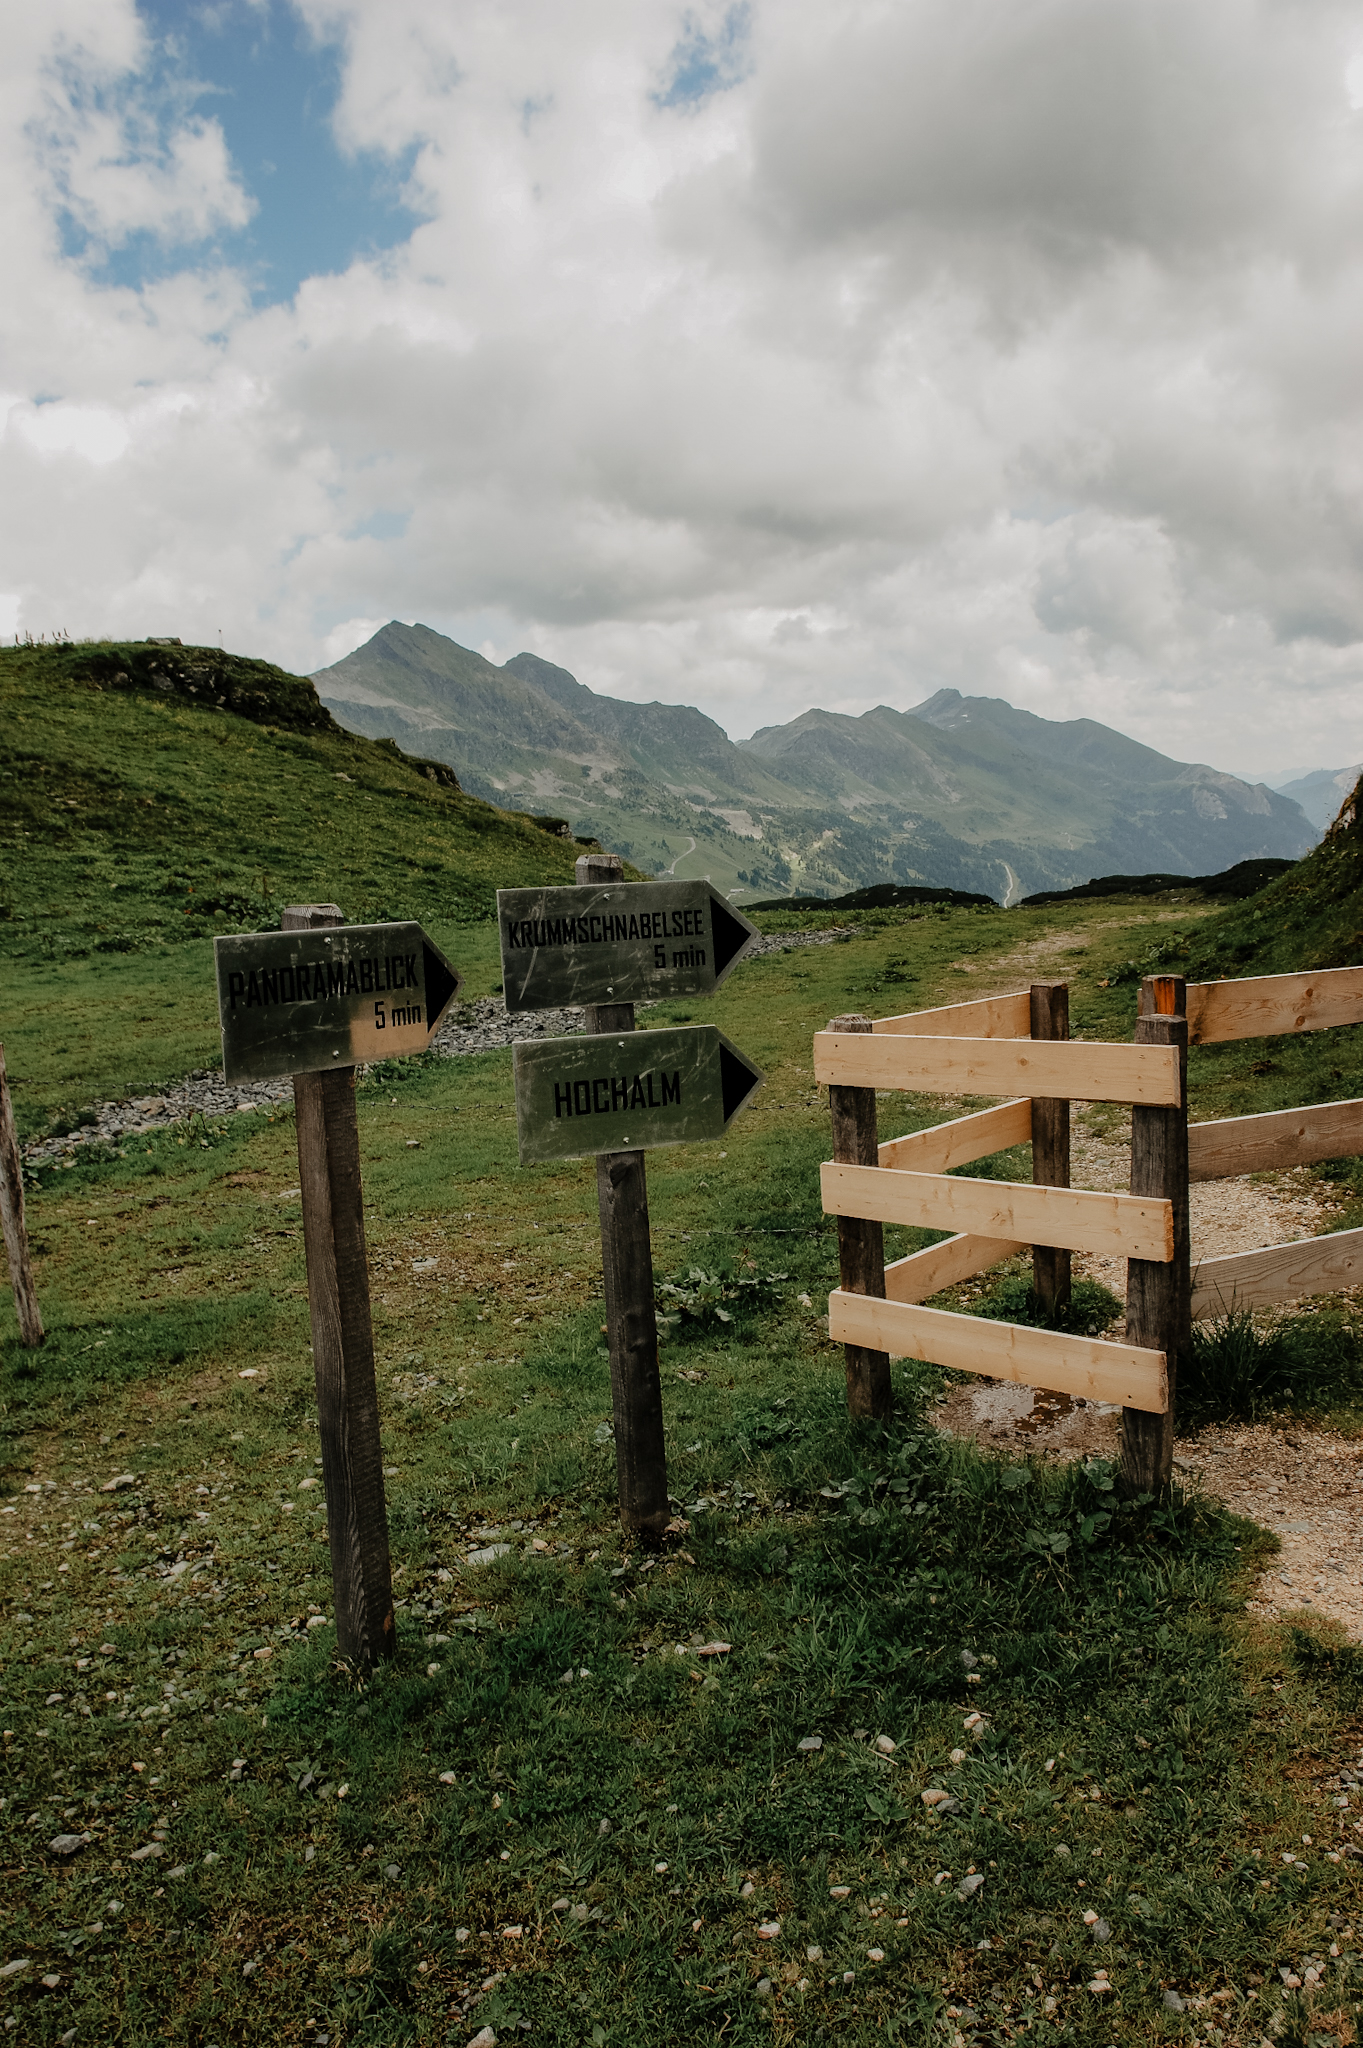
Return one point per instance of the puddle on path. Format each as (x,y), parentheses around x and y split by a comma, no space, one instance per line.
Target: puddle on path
(1037,1417)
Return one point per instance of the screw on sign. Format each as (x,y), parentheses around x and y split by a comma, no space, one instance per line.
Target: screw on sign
(311,1001)
(618,1092)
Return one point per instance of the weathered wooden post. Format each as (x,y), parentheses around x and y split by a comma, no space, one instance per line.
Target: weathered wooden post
(631,1315)
(1050,1012)
(343,1345)
(861,1244)
(12,1218)
(1158,1296)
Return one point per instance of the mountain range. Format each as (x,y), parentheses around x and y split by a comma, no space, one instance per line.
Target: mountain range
(1321,793)
(966,792)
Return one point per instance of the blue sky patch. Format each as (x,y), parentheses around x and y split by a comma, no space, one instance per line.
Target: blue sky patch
(257,71)
(702,64)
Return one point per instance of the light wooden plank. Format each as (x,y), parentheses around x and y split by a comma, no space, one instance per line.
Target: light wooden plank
(1263,1004)
(923,1274)
(1281,1272)
(1284,1137)
(1075,1068)
(962,1141)
(991,1017)
(1120,1226)
(1082,1366)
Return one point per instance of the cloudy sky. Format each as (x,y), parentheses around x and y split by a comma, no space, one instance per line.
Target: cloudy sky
(750,353)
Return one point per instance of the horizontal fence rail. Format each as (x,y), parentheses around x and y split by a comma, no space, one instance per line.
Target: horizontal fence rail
(1120,1226)
(1263,1005)
(1280,1272)
(1284,1137)
(1076,1070)
(990,1017)
(963,1141)
(1083,1367)
(923,1274)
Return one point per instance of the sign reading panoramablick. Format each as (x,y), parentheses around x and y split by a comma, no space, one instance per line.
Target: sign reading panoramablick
(304,1002)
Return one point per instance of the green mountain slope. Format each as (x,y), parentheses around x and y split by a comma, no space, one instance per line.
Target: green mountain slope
(966,792)
(1311,917)
(140,813)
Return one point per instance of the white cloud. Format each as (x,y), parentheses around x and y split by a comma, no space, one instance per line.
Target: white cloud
(760,358)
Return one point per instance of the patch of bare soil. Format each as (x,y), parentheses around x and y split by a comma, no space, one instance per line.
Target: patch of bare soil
(1305,1485)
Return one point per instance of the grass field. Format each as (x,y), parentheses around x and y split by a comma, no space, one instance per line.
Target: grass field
(556,1815)
(136,824)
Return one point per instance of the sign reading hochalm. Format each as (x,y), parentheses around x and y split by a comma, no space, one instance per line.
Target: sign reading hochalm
(617,942)
(627,1092)
(304,1002)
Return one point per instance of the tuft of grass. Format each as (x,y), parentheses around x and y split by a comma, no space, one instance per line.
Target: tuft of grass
(1240,1367)
(1091,1311)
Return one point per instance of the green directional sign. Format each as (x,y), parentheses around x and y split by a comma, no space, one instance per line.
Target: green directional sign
(627,1091)
(620,942)
(302,1002)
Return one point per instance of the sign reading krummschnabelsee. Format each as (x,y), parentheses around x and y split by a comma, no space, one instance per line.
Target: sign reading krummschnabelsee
(628,1091)
(617,942)
(303,1002)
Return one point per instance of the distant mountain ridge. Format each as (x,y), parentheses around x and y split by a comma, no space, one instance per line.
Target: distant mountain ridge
(1321,793)
(966,792)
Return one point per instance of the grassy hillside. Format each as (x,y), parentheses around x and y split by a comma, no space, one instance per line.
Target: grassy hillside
(153,796)
(1311,917)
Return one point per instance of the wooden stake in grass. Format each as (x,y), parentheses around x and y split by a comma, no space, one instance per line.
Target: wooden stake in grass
(631,1317)
(1050,1018)
(1158,1296)
(12,1217)
(861,1244)
(343,1346)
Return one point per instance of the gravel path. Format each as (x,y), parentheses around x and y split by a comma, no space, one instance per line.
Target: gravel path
(480,1026)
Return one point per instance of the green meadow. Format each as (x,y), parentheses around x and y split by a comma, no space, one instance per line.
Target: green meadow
(564,1813)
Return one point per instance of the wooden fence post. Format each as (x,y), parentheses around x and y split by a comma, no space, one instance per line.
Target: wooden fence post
(861,1244)
(1050,1011)
(627,1273)
(12,1218)
(343,1346)
(1158,1296)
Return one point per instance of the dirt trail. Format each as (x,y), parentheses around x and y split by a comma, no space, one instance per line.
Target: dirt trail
(1304,1484)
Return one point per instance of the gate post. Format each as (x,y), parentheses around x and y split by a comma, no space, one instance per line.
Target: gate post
(861,1244)
(1158,1295)
(1051,1266)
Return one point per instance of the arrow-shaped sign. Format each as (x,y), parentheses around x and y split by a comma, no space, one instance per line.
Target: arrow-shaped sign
(620,942)
(627,1091)
(304,1002)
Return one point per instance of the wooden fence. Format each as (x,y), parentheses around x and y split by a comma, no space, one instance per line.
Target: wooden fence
(1018,1046)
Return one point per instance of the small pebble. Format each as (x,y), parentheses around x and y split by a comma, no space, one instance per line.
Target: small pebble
(839,1891)
(875,1955)
(810,1742)
(769,1930)
(886,1745)
(763,1987)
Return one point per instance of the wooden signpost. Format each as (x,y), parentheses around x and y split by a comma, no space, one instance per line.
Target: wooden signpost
(627,1092)
(611,941)
(618,1091)
(310,1001)
(12,1218)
